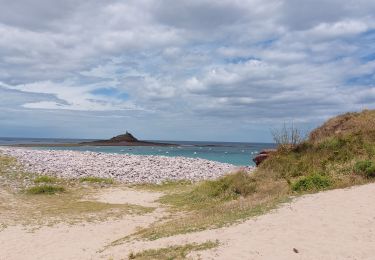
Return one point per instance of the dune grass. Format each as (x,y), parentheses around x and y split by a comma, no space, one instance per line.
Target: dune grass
(27,199)
(97,180)
(214,203)
(45,189)
(45,179)
(173,252)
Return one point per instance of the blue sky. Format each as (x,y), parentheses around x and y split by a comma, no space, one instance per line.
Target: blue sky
(182,70)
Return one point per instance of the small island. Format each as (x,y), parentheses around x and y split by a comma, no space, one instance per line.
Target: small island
(126,139)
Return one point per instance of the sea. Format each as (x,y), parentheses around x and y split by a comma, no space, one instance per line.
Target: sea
(236,153)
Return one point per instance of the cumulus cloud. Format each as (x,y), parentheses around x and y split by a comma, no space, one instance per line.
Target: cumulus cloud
(166,64)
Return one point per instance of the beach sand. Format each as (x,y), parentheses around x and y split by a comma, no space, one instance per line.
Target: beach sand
(337,224)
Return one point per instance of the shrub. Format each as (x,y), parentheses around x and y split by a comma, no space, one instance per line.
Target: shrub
(365,167)
(312,182)
(287,138)
(45,189)
(227,187)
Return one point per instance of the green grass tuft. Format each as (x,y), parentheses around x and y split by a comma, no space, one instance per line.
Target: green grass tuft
(96,180)
(211,192)
(313,182)
(365,167)
(45,179)
(45,189)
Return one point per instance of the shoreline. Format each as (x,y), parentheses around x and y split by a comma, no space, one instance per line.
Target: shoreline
(120,167)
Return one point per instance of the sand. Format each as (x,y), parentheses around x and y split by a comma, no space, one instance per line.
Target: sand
(338,224)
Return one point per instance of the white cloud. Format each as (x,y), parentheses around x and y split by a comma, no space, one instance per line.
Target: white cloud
(253,61)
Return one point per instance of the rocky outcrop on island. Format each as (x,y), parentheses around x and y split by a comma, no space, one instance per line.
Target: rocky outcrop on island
(126,139)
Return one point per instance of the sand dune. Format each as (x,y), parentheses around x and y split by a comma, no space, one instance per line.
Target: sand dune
(337,224)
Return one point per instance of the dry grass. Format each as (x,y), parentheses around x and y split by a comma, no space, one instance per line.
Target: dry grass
(213,204)
(341,125)
(49,207)
(173,252)
(97,180)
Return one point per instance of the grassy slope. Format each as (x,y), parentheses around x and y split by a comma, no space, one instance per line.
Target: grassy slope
(330,157)
(341,153)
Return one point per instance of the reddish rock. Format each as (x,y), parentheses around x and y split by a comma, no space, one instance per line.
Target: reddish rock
(263,155)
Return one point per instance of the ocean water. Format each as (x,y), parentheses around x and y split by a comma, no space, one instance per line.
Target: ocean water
(240,154)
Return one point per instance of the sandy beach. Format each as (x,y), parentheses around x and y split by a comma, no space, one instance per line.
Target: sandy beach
(337,224)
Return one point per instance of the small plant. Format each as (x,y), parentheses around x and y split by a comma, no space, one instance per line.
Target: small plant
(45,179)
(96,180)
(45,189)
(365,167)
(312,182)
(287,138)
(173,252)
(211,192)
(131,255)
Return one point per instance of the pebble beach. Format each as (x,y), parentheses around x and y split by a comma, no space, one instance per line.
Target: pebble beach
(120,167)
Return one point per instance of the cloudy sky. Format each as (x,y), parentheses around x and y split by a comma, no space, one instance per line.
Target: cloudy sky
(182,70)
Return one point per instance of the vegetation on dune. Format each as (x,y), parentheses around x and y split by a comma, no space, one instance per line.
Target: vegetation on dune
(45,189)
(97,180)
(341,153)
(22,199)
(45,179)
(173,252)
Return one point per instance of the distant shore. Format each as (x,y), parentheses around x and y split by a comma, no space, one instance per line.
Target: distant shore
(98,143)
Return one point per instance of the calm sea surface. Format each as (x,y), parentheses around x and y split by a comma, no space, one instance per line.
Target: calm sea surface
(227,152)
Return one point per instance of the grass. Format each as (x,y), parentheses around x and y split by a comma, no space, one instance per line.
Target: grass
(96,180)
(339,154)
(166,186)
(45,189)
(72,206)
(315,182)
(45,179)
(365,167)
(211,192)
(173,252)
(213,204)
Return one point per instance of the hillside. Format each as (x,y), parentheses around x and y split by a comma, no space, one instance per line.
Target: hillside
(350,123)
(340,153)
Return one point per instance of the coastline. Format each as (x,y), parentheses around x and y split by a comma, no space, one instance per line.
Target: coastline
(120,167)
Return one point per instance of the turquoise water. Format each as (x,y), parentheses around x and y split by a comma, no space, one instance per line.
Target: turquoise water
(234,153)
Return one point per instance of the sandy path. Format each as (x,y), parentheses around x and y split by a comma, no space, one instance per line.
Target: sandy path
(81,241)
(338,224)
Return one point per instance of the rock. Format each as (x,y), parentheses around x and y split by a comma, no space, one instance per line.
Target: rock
(121,167)
(263,155)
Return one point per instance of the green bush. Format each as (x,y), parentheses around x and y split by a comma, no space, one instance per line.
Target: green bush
(45,189)
(312,182)
(365,167)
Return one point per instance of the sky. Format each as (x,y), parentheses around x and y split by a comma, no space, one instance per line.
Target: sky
(225,70)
